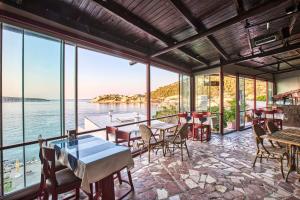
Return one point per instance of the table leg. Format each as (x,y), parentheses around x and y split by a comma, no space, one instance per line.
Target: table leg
(292,161)
(106,188)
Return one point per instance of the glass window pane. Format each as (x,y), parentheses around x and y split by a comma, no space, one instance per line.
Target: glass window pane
(249,93)
(70,87)
(270,93)
(229,103)
(42,66)
(107,86)
(32,164)
(214,93)
(261,94)
(164,92)
(201,95)
(12,85)
(249,101)
(242,104)
(13,169)
(185,93)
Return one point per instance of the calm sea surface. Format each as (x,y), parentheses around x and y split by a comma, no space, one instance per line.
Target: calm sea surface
(44,118)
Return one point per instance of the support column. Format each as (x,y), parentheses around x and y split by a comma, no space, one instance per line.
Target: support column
(267,93)
(221,105)
(148,92)
(254,85)
(237,96)
(76,89)
(274,85)
(1,114)
(192,92)
(180,82)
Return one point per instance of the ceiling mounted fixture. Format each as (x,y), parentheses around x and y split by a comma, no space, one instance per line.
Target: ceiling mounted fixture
(292,9)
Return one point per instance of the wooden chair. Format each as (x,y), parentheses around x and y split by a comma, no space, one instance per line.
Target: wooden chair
(121,137)
(258,117)
(149,140)
(278,122)
(57,182)
(72,133)
(272,128)
(179,139)
(182,118)
(267,151)
(58,167)
(199,125)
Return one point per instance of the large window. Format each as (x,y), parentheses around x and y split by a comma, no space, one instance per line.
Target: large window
(13,168)
(202,92)
(108,85)
(207,90)
(31,101)
(270,93)
(207,93)
(261,94)
(70,87)
(185,95)
(249,100)
(164,92)
(41,78)
(229,103)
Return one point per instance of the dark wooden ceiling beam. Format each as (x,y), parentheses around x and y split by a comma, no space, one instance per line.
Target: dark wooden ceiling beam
(278,62)
(122,13)
(250,67)
(197,25)
(284,61)
(247,14)
(281,71)
(259,55)
(239,5)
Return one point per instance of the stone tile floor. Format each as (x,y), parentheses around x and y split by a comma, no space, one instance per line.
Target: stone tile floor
(219,169)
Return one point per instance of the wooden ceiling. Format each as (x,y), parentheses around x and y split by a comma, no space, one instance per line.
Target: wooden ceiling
(195,34)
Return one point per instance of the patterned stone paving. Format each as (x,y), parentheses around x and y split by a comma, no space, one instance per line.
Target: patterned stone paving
(219,169)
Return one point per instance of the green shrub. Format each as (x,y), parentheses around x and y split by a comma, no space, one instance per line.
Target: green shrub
(261,98)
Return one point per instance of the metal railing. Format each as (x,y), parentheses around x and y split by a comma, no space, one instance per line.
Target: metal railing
(80,133)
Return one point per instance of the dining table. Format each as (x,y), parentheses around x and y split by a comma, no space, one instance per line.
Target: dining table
(94,160)
(291,138)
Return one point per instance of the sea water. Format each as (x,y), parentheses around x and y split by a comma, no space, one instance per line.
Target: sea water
(44,118)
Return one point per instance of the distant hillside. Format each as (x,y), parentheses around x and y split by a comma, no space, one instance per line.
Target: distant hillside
(165,91)
(157,95)
(117,98)
(19,99)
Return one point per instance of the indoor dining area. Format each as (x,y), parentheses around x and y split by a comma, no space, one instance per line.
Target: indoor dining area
(149,99)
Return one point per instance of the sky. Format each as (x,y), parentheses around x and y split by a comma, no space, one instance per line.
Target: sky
(98,73)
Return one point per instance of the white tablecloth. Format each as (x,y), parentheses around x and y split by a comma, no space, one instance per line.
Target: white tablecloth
(92,158)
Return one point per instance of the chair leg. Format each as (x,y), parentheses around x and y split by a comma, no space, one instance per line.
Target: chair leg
(255,160)
(281,166)
(130,180)
(54,196)
(194,130)
(201,134)
(41,188)
(46,195)
(77,193)
(181,151)
(119,177)
(261,155)
(187,150)
(149,149)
